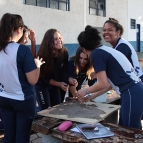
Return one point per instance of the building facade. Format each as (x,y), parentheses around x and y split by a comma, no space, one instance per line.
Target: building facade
(71,16)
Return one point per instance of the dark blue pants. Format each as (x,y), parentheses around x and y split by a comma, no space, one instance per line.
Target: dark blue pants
(17,118)
(48,97)
(131,106)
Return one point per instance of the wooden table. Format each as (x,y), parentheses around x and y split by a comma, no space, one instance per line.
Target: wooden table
(48,125)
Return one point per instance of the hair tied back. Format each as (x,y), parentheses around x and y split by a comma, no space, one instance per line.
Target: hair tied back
(88,27)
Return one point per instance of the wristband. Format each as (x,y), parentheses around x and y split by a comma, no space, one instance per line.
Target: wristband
(88,96)
(85,90)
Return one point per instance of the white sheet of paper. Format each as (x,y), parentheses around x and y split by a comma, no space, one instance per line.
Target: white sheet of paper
(75,130)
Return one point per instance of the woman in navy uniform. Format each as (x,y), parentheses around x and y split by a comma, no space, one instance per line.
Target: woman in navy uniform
(113,65)
(112,32)
(19,72)
(80,68)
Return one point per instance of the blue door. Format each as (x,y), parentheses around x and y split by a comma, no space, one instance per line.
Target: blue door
(138,37)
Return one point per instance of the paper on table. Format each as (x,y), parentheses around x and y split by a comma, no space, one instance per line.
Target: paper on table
(75,130)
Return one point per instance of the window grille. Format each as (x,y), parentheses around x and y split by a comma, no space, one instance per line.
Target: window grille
(133,24)
(55,4)
(97,7)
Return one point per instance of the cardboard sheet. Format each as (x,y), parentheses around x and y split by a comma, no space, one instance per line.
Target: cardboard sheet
(85,113)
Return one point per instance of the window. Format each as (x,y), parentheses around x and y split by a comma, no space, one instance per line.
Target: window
(133,24)
(97,7)
(55,4)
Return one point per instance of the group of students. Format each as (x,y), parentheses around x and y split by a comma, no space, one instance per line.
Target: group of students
(27,77)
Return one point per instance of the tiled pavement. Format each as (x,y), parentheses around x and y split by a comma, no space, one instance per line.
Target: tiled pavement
(35,138)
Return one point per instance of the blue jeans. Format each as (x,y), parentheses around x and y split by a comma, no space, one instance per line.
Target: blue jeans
(17,118)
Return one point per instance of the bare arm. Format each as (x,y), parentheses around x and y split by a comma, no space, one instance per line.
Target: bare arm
(33,48)
(62,85)
(33,76)
(96,94)
(73,90)
(102,84)
(33,42)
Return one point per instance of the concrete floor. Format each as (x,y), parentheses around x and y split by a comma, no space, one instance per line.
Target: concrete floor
(34,138)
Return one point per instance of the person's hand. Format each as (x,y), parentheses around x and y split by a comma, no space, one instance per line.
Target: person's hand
(74,96)
(64,86)
(39,62)
(73,81)
(80,94)
(32,35)
(84,99)
(93,75)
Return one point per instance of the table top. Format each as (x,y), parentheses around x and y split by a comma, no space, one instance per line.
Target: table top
(48,125)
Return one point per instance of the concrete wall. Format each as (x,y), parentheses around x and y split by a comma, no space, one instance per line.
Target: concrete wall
(71,23)
(135,11)
(112,10)
(41,19)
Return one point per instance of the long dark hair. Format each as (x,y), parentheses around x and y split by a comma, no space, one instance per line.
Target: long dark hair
(8,24)
(90,38)
(25,29)
(88,68)
(46,51)
(116,24)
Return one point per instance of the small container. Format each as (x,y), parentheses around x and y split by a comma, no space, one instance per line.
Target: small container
(101,98)
(65,125)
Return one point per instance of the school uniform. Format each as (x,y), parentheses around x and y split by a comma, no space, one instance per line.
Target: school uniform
(81,77)
(123,76)
(127,49)
(17,95)
(47,94)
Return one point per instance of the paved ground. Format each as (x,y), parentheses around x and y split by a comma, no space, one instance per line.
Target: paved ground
(35,138)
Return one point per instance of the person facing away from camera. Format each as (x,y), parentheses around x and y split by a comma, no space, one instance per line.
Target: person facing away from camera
(19,72)
(54,79)
(113,65)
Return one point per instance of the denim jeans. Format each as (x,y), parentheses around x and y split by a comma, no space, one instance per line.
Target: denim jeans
(17,119)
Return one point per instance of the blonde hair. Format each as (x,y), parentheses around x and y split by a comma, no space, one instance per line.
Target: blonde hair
(89,67)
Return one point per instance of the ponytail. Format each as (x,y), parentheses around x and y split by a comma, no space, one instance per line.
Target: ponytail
(8,24)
